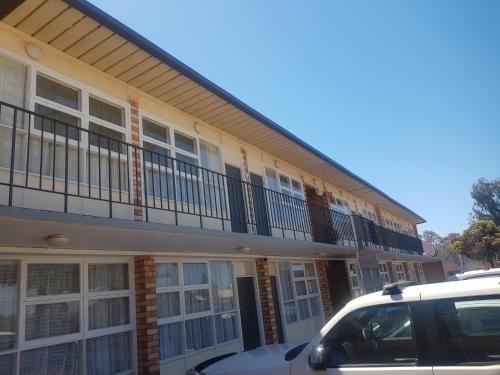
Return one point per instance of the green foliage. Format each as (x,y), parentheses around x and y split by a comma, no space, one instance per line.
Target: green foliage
(480,241)
(486,196)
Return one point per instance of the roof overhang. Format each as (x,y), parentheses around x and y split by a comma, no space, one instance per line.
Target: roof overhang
(90,35)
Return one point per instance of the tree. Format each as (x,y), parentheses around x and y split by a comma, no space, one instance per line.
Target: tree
(486,196)
(481,241)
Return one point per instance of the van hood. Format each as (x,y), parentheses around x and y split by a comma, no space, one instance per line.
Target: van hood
(266,360)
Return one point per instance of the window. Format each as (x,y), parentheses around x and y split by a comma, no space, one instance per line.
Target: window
(57,92)
(196,306)
(372,336)
(421,273)
(411,272)
(287,208)
(106,111)
(383,270)
(339,205)
(399,271)
(354,280)
(299,291)
(469,330)
(67,326)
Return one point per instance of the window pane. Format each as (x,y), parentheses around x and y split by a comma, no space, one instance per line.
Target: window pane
(290,312)
(389,325)
(168,304)
(60,118)
(108,276)
(155,131)
(105,137)
(185,143)
(315,306)
(156,156)
(108,355)
(106,111)
(222,286)
(210,156)
(310,270)
(54,319)
(284,181)
(285,281)
(272,184)
(8,364)
(57,359)
(8,306)
(225,325)
(469,330)
(312,287)
(167,274)
(197,300)
(303,305)
(53,279)
(296,186)
(56,92)
(108,312)
(170,340)
(298,270)
(300,288)
(195,273)
(185,164)
(199,333)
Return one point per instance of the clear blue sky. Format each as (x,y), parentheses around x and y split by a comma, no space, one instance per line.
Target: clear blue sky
(405,94)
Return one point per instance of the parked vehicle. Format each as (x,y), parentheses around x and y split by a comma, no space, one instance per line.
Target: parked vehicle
(491,272)
(433,329)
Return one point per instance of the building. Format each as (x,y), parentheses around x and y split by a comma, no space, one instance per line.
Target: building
(149,220)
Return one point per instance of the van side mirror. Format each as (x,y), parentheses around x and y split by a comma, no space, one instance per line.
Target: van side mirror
(317,358)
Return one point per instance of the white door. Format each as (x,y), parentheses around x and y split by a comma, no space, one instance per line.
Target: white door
(469,334)
(371,340)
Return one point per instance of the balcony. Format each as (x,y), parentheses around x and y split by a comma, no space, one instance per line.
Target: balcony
(51,165)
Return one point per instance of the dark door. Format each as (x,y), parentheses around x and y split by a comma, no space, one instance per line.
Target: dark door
(321,219)
(236,199)
(248,313)
(259,205)
(277,309)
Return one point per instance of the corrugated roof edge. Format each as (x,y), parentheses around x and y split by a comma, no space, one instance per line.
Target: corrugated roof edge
(124,31)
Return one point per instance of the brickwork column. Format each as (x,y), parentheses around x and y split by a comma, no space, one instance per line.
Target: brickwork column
(266,301)
(136,161)
(148,355)
(324,288)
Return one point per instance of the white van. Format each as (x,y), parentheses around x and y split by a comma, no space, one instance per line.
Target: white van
(433,329)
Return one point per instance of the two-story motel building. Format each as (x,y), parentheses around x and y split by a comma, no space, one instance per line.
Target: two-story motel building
(149,220)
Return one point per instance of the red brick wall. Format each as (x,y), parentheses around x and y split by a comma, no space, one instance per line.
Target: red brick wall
(148,355)
(266,301)
(136,180)
(324,288)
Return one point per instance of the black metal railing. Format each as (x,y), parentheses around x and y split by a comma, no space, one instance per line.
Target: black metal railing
(41,153)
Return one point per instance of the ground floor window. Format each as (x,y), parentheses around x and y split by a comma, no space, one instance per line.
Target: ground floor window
(197,307)
(299,291)
(384,273)
(421,274)
(72,316)
(354,279)
(412,275)
(399,271)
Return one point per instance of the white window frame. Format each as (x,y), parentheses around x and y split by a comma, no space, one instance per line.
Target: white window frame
(383,270)
(399,271)
(83,297)
(340,205)
(412,275)
(356,291)
(421,273)
(308,296)
(183,317)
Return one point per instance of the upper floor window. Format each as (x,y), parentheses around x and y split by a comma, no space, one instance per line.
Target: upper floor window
(106,111)
(281,183)
(339,205)
(57,92)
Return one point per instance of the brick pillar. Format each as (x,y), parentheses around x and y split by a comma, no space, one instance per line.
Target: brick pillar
(148,355)
(324,288)
(391,272)
(266,301)
(136,161)
(415,230)
(380,221)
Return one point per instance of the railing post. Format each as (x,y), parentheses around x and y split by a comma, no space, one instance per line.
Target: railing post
(12,156)
(66,169)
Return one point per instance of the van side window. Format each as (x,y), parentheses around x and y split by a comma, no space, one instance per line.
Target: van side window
(469,329)
(372,336)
